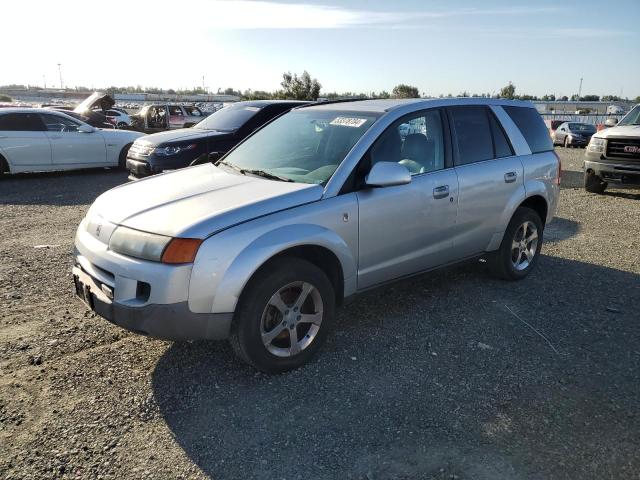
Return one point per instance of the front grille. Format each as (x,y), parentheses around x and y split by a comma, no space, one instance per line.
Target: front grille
(627,148)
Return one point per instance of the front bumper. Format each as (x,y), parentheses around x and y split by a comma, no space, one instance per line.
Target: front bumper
(616,172)
(578,142)
(148,298)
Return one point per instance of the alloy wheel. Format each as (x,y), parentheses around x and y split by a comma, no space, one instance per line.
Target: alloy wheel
(524,245)
(291,319)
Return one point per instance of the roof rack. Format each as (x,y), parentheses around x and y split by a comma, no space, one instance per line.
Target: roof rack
(329,102)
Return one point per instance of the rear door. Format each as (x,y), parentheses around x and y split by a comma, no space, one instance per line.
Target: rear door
(176,116)
(408,228)
(490,177)
(23,142)
(71,148)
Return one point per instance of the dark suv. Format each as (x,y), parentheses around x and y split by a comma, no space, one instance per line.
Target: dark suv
(206,141)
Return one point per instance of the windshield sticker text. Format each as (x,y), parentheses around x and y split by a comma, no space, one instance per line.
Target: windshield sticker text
(348,122)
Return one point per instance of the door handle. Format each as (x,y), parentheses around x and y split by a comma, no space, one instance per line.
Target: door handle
(441,192)
(510,177)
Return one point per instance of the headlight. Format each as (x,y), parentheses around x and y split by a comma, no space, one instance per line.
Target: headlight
(135,243)
(150,246)
(596,145)
(173,150)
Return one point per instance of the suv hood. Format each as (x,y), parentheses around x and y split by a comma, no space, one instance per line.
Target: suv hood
(198,201)
(96,99)
(619,131)
(182,134)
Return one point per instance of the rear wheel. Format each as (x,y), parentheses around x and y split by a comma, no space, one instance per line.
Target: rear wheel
(566,142)
(520,246)
(283,315)
(593,183)
(122,159)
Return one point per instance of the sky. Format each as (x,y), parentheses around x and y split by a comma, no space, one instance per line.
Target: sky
(440,47)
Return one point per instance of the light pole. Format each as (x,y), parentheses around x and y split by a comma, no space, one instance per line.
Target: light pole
(60,73)
(580,89)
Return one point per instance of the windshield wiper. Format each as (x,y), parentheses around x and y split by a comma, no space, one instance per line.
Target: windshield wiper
(226,164)
(262,173)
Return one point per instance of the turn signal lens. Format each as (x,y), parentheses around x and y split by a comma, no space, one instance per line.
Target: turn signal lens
(181,250)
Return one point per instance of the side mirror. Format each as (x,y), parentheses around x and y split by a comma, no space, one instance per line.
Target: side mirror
(86,129)
(610,122)
(387,174)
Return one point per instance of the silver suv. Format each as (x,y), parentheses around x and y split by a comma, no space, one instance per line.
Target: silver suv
(322,203)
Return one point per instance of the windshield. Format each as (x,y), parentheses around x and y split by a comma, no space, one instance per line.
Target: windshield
(631,118)
(228,118)
(582,127)
(303,146)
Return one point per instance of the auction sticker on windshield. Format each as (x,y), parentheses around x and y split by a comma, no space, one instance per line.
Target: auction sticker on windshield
(348,122)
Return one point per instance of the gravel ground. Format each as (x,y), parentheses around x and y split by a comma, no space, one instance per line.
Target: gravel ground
(451,375)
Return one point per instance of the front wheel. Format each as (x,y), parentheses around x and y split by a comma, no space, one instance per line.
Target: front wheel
(122,158)
(594,183)
(520,247)
(283,316)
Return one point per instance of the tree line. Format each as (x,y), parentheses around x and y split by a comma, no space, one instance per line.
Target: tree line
(304,87)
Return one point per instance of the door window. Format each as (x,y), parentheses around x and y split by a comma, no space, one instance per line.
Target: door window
(20,122)
(415,141)
(530,123)
(472,134)
(175,110)
(193,111)
(58,123)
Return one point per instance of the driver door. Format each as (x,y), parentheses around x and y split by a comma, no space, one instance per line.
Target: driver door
(71,148)
(408,228)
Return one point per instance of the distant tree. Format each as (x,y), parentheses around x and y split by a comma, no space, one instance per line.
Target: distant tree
(564,98)
(464,94)
(508,91)
(405,91)
(299,88)
(5,98)
(590,98)
(549,98)
(637,99)
(575,97)
(610,98)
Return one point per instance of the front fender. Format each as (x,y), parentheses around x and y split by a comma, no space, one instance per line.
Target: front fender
(226,262)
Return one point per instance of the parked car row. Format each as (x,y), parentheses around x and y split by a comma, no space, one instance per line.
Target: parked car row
(320,204)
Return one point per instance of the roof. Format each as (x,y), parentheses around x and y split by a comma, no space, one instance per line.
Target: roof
(263,103)
(386,105)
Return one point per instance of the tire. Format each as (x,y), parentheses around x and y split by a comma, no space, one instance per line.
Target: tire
(258,330)
(594,183)
(509,264)
(566,142)
(4,166)
(122,159)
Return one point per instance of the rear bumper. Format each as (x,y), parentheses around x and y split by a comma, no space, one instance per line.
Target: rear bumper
(609,171)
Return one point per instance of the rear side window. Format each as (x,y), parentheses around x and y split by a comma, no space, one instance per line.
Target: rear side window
(472,134)
(21,122)
(500,141)
(532,127)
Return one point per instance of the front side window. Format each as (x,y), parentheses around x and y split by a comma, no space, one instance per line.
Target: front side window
(582,128)
(472,134)
(20,122)
(302,146)
(58,123)
(415,141)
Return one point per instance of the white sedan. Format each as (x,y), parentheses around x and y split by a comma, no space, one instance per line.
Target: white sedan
(38,140)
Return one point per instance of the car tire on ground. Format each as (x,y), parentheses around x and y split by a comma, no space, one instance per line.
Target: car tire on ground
(283,315)
(520,247)
(4,166)
(593,183)
(122,159)
(566,142)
